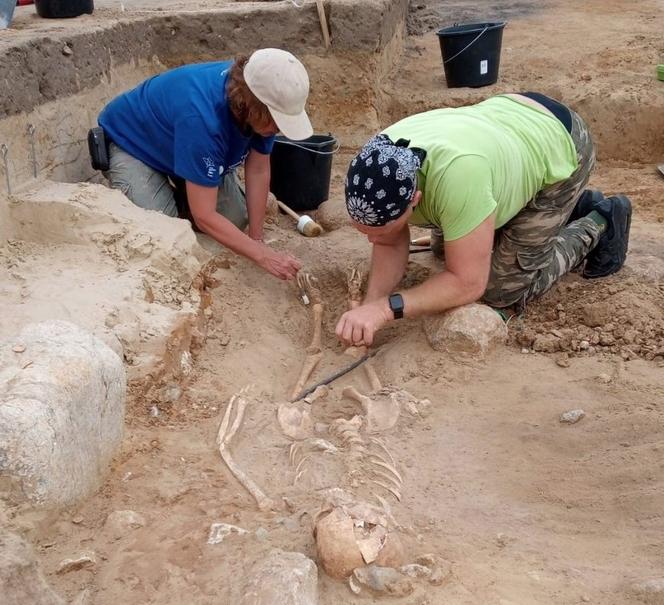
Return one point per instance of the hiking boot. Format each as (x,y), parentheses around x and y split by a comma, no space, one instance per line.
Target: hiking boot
(609,254)
(586,202)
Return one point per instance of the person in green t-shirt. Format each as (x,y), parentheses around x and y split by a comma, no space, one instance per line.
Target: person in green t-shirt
(504,180)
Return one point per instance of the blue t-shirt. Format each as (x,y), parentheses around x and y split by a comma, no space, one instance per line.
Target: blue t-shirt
(179,123)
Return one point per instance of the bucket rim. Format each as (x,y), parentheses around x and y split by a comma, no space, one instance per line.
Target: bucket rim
(452,31)
(327,139)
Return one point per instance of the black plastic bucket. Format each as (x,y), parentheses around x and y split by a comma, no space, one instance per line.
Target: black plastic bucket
(471,53)
(300,170)
(63,9)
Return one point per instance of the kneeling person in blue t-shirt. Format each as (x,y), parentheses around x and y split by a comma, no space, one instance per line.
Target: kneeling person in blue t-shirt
(187,130)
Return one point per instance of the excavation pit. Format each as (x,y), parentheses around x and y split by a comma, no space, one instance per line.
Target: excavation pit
(491,483)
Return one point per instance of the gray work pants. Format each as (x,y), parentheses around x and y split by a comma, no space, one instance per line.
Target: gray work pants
(152,190)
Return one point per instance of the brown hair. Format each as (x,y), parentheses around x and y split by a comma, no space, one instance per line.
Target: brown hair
(245,106)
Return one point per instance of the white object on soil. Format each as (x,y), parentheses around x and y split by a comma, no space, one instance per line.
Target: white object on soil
(218,531)
(572,416)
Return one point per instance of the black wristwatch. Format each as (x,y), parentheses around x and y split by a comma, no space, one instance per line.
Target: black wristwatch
(396,304)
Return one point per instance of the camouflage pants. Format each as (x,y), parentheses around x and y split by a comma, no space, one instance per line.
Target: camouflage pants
(537,247)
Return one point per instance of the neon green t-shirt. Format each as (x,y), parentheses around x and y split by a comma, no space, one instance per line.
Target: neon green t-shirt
(493,156)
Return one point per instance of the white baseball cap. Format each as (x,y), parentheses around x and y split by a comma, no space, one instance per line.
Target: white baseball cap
(280,81)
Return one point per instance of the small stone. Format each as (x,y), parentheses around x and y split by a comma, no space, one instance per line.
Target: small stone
(427,560)
(584,345)
(18,348)
(563,360)
(438,576)
(596,314)
(67,50)
(224,339)
(262,534)
(384,580)
(414,570)
(120,522)
(605,378)
(606,340)
(77,520)
(85,560)
(572,416)
(525,351)
(546,343)
(585,598)
(283,578)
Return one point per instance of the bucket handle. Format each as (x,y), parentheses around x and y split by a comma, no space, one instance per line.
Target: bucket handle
(465,48)
(293,144)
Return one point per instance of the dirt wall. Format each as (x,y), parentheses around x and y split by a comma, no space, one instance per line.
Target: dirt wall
(62,78)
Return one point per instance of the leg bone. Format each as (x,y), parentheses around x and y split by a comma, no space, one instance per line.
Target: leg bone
(224,436)
(310,363)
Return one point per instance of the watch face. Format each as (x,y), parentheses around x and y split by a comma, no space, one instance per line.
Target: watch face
(396,304)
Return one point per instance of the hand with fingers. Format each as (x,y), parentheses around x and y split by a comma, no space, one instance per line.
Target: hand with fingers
(358,326)
(280,264)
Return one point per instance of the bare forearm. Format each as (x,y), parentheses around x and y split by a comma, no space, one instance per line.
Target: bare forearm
(257,177)
(228,235)
(440,292)
(388,265)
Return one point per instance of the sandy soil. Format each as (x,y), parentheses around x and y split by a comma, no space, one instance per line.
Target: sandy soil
(524,509)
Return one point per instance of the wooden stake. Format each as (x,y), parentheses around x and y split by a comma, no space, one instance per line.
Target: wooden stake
(323,23)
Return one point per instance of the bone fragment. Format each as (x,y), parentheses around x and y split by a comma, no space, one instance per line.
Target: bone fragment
(389,479)
(354,283)
(381,445)
(322,445)
(396,493)
(354,394)
(371,544)
(372,376)
(294,422)
(315,346)
(320,393)
(225,435)
(309,284)
(381,411)
(374,381)
(375,459)
(299,466)
(309,365)
(294,451)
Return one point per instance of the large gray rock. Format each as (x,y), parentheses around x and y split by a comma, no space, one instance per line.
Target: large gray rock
(472,330)
(21,580)
(62,395)
(287,578)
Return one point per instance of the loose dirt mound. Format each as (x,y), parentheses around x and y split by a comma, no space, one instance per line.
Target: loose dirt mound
(620,315)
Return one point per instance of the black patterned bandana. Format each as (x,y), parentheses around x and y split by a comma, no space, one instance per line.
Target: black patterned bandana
(381,180)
